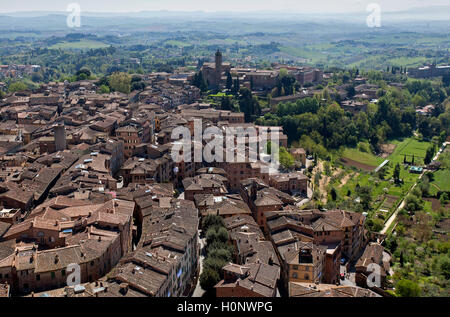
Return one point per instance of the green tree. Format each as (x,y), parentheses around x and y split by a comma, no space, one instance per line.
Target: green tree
(211,221)
(83,74)
(446,79)
(443,199)
(220,253)
(396,174)
(103,89)
(249,105)
(445,267)
(333,194)
(225,103)
(229,83)
(236,86)
(17,86)
(285,158)
(137,85)
(429,155)
(209,278)
(365,195)
(407,288)
(121,82)
(216,233)
(199,81)
(377,225)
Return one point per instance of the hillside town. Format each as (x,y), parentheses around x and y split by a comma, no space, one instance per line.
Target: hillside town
(88,179)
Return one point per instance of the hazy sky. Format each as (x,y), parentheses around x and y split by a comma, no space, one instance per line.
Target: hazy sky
(305,6)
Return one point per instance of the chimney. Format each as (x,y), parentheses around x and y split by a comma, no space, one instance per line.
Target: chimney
(254,190)
(124,288)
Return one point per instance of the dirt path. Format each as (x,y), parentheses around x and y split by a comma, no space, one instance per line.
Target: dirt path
(325,180)
(387,149)
(346,178)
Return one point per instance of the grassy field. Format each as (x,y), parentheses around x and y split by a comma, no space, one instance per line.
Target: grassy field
(441,181)
(313,57)
(362,157)
(385,194)
(80,45)
(177,43)
(409,147)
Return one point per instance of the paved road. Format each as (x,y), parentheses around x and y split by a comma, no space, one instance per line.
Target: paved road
(349,277)
(198,292)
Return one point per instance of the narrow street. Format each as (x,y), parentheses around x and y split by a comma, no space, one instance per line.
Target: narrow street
(198,292)
(349,279)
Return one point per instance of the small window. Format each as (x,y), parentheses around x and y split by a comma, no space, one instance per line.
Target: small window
(53,275)
(92,263)
(38,277)
(63,272)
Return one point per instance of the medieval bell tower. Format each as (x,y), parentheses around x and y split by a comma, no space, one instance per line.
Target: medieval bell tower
(218,66)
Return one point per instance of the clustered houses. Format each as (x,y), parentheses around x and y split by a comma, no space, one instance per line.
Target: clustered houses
(227,205)
(166,259)
(262,199)
(311,242)
(14,70)
(429,71)
(374,258)
(89,179)
(256,271)
(216,73)
(203,184)
(61,232)
(146,171)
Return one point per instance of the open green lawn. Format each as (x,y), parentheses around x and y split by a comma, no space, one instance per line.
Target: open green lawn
(219,95)
(362,157)
(441,181)
(409,61)
(409,147)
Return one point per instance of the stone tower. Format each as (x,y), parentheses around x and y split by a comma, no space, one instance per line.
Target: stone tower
(218,61)
(60,137)
(218,66)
